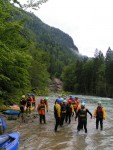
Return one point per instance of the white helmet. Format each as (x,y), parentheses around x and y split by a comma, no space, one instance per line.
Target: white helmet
(99,102)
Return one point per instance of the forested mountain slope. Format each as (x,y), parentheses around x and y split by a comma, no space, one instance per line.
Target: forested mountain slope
(46,33)
(31,52)
(56,43)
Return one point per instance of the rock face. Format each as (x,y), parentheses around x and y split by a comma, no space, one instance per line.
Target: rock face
(56,85)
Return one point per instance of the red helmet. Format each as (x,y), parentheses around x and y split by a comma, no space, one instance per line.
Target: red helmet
(69,101)
(42,100)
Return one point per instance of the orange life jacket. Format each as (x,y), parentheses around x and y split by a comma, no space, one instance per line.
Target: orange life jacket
(77,103)
(29,100)
(41,109)
(34,100)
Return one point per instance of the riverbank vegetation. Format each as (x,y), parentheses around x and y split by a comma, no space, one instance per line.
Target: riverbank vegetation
(92,76)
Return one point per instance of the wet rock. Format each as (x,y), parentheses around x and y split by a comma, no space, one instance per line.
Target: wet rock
(56,85)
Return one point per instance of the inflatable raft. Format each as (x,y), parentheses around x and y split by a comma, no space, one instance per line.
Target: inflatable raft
(2,125)
(10,141)
(14,107)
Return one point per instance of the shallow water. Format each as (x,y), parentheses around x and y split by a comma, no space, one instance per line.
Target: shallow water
(42,137)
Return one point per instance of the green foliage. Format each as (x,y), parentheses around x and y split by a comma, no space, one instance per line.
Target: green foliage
(23,66)
(14,61)
(91,76)
(109,72)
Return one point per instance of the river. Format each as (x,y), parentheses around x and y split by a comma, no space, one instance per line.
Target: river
(35,136)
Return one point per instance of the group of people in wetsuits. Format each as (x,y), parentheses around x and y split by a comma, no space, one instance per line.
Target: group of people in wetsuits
(26,103)
(65,109)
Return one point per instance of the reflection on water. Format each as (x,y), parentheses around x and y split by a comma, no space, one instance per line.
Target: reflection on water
(43,137)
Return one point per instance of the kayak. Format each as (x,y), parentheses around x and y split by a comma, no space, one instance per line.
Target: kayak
(10,141)
(11,112)
(2,125)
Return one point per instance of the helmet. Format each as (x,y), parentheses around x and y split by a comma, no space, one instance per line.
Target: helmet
(83,104)
(23,96)
(46,98)
(28,94)
(71,97)
(33,94)
(42,100)
(99,102)
(58,100)
(64,101)
(69,101)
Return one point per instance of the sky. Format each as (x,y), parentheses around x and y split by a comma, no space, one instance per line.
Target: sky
(88,22)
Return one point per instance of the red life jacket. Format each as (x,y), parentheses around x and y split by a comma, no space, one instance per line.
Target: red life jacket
(41,109)
(99,112)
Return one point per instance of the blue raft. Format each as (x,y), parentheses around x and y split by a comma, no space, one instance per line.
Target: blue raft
(2,125)
(11,112)
(10,141)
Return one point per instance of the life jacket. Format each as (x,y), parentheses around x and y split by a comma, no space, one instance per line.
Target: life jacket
(57,110)
(74,104)
(23,102)
(34,100)
(78,108)
(63,108)
(82,114)
(69,108)
(77,103)
(99,112)
(29,100)
(41,109)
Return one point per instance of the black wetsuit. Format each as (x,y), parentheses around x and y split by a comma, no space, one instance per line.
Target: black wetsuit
(82,118)
(68,113)
(63,114)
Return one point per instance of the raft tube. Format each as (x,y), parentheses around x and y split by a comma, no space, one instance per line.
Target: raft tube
(10,141)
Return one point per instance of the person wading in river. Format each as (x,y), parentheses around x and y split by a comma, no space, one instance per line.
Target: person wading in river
(23,104)
(57,113)
(82,117)
(69,111)
(34,100)
(29,103)
(77,104)
(41,110)
(63,112)
(100,114)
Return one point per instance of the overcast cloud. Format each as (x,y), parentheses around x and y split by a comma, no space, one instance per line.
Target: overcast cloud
(88,22)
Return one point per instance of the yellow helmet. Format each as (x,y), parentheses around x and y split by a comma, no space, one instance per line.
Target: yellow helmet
(23,96)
